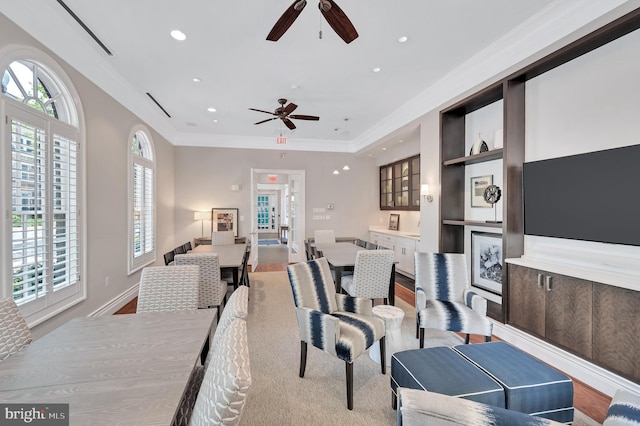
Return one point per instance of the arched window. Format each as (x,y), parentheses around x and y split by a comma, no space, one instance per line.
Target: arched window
(41,136)
(142,223)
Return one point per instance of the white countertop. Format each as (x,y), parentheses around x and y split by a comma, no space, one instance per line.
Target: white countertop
(383,230)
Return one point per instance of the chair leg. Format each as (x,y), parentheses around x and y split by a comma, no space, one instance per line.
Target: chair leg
(219,312)
(386,301)
(417,327)
(487,338)
(421,338)
(394,401)
(349,367)
(466,339)
(383,355)
(303,357)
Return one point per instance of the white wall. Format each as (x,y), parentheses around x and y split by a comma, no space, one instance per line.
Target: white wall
(205,175)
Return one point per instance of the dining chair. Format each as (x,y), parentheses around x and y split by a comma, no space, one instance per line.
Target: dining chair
(14,331)
(244,280)
(212,290)
(371,275)
(444,299)
(222,238)
(370,246)
(168,257)
(324,236)
(179,250)
(168,289)
(360,243)
(187,247)
(341,325)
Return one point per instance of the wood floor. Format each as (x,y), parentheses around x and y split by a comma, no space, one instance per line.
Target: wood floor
(586,399)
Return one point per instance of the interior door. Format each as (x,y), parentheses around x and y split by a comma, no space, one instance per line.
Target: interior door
(253,260)
(296,206)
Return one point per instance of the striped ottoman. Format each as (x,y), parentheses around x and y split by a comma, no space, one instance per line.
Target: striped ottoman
(443,370)
(530,386)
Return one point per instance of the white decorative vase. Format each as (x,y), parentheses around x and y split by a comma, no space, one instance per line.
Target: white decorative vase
(479,146)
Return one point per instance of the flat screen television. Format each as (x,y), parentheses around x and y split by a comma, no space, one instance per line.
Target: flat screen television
(591,197)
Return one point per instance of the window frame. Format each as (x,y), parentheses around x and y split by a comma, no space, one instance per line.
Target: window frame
(148,162)
(39,310)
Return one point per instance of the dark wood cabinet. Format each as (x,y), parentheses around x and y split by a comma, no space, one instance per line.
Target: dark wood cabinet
(400,185)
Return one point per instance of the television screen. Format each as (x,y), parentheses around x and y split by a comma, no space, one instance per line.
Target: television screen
(592,197)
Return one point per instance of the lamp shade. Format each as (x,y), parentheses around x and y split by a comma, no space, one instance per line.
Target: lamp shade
(200,215)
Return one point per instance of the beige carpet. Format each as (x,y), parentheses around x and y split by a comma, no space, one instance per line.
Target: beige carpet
(279,397)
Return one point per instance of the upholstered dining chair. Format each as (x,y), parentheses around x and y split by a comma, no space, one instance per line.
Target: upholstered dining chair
(444,299)
(222,238)
(14,332)
(212,290)
(371,275)
(324,236)
(341,325)
(165,288)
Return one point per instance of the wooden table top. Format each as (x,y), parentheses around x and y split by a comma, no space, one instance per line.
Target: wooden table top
(229,256)
(115,369)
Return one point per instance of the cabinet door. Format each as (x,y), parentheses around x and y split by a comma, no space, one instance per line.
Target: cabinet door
(386,187)
(568,313)
(616,327)
(405,248)
(526,299)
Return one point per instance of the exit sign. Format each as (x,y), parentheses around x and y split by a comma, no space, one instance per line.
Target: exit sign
(281,140)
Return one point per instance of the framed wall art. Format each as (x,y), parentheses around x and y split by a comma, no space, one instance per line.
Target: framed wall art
(478,185)
(224,220)
(486,261)
(394,221)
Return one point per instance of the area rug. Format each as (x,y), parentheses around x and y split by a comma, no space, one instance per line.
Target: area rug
(279,397)
(268,242)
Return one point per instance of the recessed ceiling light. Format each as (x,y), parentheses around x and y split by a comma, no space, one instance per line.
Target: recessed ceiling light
(211,109)
(376,69)
(191,124)
(403,39)
(294,86)
(384,148)
(178,35)
(197,80)
(400,140)
(215,121)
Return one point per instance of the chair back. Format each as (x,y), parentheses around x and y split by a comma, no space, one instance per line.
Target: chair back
(236,307)
(208,287)
(179,250)
(441,276)
(312,285)
(222,238)
(187,247)
(168,289)
(370,246)
(324,236)
(372,273)
(14,332)
(168,257)
(360,243)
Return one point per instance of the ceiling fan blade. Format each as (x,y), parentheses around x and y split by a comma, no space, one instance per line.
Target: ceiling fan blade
(290,108)
(304,117)
(286,20)
(338,20)
(259,110)
(289,123)
(264,121)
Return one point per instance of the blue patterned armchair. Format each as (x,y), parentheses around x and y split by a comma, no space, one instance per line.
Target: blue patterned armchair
(444,299)
(341,325)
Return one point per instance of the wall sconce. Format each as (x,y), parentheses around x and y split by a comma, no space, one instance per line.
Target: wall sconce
(236,187)
(424,191)
(201,216)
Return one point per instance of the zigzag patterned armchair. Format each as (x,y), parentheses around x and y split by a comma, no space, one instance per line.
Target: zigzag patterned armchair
(444,299)
(341,325)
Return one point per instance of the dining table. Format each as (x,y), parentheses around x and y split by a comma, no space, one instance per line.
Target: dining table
(129,369)
(342,258)
(230,257)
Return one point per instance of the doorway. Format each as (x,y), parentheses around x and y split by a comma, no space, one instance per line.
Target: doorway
(277,202)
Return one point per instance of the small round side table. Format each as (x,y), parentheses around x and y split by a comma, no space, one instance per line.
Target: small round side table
(392,317)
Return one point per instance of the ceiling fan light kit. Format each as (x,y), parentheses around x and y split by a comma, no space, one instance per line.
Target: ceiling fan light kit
(336,18)
(284,113)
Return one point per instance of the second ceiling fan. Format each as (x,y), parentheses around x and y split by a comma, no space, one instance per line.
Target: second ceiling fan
(336,18)
(284,113)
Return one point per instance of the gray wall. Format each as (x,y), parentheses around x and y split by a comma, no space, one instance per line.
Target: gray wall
(108,125)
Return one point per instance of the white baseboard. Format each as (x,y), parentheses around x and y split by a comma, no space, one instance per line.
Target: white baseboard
(115,304)
(597,377)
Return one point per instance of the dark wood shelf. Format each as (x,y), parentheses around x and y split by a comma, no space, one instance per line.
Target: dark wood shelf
(472,223)
(494,154)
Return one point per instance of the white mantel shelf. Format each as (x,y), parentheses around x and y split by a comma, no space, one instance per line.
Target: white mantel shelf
(613,278)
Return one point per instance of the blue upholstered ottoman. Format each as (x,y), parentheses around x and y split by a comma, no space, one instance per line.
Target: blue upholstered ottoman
(443,370)
(530,386)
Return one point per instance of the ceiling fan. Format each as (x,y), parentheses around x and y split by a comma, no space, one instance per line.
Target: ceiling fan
(331,12)
(284,114)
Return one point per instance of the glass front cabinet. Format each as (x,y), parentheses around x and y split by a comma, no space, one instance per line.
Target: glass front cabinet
(400,185)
